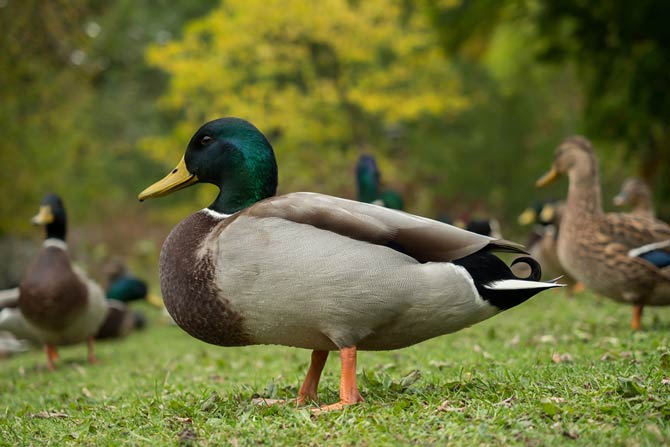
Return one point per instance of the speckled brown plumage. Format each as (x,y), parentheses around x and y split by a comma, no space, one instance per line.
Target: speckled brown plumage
(594,246)
(189,291)
(51,295)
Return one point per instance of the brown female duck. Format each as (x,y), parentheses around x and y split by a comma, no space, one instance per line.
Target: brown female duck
(542,244)
(625,257)
(636,194)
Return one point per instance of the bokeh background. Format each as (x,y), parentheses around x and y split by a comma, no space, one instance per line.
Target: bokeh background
(461,102)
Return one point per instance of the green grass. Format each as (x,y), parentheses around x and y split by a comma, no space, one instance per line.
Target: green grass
(498,383)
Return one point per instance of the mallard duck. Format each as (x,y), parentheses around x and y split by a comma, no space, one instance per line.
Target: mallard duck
(636,194)
(122,286)
(481,225)
(622,256)
(367,183)
(59,302)
(120,321)
(314,271)
(542,244)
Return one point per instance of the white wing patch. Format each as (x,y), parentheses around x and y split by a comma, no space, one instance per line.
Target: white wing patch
(635,252)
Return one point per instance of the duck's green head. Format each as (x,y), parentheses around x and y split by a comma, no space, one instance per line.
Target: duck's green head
(230,153)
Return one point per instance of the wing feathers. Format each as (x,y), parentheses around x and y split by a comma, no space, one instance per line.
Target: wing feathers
(424,239)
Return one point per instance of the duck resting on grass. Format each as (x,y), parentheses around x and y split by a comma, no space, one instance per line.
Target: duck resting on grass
(625,257)
(318,272)
(58,302)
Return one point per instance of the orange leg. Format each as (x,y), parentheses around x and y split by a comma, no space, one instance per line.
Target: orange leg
(636,323)
(349,394)
(91,355)
(52,356)
(308,390)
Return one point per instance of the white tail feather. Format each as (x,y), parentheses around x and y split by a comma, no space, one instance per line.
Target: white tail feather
(520,284)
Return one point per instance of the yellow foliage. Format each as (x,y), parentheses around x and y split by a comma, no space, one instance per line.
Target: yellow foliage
(320,79)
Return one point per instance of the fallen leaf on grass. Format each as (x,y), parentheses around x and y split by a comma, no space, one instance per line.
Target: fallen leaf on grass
(608,356)
(665,381)
(515,341)
(547,339)
(184,420)
(444,406)
(87,392)
(50,415)
(506,402)
(438,365)
(216,378)
(572,434)
(561,358)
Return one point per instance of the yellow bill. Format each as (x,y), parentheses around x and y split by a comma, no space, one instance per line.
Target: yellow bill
(547,178)
(44,217)
(178,178)
(548,213)
(527,217)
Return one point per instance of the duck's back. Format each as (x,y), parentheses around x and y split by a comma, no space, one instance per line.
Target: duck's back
(51,294)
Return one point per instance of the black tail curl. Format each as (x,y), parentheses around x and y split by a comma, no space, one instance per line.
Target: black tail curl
(535,268)
(485,268)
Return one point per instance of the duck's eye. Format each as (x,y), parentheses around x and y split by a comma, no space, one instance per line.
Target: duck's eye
(204,141)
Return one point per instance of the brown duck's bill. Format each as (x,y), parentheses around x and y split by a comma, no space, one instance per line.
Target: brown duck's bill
(178,178)
(44,217)
(546,178)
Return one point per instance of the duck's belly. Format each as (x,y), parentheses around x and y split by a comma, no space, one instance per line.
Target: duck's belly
(305,287)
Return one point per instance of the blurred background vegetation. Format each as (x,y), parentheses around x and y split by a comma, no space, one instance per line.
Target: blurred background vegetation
(462,102)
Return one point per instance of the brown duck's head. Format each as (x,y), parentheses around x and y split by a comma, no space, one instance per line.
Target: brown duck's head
(574,156)
(633,191)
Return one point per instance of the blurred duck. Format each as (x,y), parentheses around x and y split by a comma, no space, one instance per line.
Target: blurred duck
(625,257)
(58,302)
(484,226)
(19,334)
(636,194)
(314,271)
(368,185)
(122,286)
(120,321)
(542,244)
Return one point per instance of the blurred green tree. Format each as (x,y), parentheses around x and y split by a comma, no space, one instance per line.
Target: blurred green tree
(76,97)
(621,52)
(323,80)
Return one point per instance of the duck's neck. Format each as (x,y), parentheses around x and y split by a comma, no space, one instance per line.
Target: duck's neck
(368,188)
(56,230)
(643,204)
(584,196)
(242,191)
